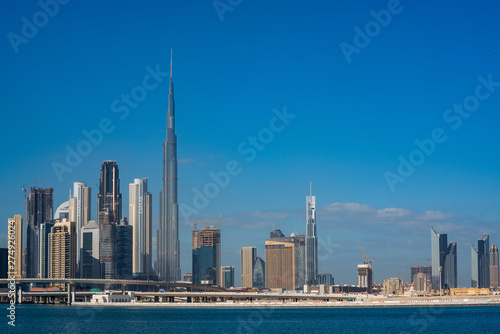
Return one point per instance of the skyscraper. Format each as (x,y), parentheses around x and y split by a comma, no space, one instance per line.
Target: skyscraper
(227,276)
(439,248)
(450,267)
(285,261)
(483,261)
(259,273)
(63,250)
(474,267)
(45,230)
(140,215)
(79,212)
(40,210)
(107,245)
(494,267)
(365,276)
(248,257)
(109,196)
(168,257)
(206,256)
(311,241)
(326,279)
(90,266)
(124,233)
(15,226)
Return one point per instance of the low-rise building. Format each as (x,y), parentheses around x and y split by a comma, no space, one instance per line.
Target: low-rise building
(469,292)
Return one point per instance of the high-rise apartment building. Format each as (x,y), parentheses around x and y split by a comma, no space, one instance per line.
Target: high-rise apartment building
(107,245)
(227,276)
(109,197)
(365,276)
(168,248)
(15,227)
(311,240)
(40,210)
(248,257)
(206,256)
(285,261)
(494,267)
(483,261)
(79,212)
(140,216)
(124,233)
(90,266)
(62,238)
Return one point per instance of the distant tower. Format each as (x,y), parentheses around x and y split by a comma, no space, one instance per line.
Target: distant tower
(450,267)
(227,276)
(40,210)
(311,240)
(168,257)
(107,245)
(109,196)
(494,267)
(79,212)
(248,257)
(474,267)
(124,249)
(140,216)
(90,266)
(483,261)
(439,247)
(45,230)
(63,250)
(206,256)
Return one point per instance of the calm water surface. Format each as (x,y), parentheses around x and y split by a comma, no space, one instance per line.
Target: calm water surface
(62,319)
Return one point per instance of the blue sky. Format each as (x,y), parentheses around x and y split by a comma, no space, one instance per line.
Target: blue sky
(353,119)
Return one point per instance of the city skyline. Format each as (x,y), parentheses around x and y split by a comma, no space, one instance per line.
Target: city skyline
(352,122)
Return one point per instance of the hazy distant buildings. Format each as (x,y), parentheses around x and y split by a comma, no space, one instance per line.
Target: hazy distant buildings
(494,267)
(443,275)
(15,226)
(206,256)
(248,257)
(365,276)
(109,197)
(79,212)
(285,261)
(311,256)
(227,276)
(450,267)
(45,230)
(393,286)
(259,273)
(124,233)
(422,282)
(40,209)
(483,261)
(90,266)
(140,216)
(426,270)
(474,267)
(168,248)
(62,238)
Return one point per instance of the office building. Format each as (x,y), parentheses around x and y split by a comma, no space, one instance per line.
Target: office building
(79,212)
(90,266)
(124,235)
(326,279)
(227,276)
(483,261)
(494,267)
(45,230)
(15,227)
(285,261)
(40,209)
(62,260)
(248,257)
(474,267)
(206,256)
(168,247)
(140,215)
(365,276)
(107,245)
(450,267)
(62,211)
(311,240)
(109,197)
(259,273)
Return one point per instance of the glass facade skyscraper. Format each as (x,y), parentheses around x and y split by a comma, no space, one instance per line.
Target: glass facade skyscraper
(439,249)
(206,256)
(483,261)
(450,267)
(109,197)
(259,273)
(474,267)
(168,249)
(311,241)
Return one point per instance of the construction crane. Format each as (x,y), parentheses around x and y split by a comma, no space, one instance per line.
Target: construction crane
(25,203)
(407,281)
(215,221)
(365,258)
(196,223)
